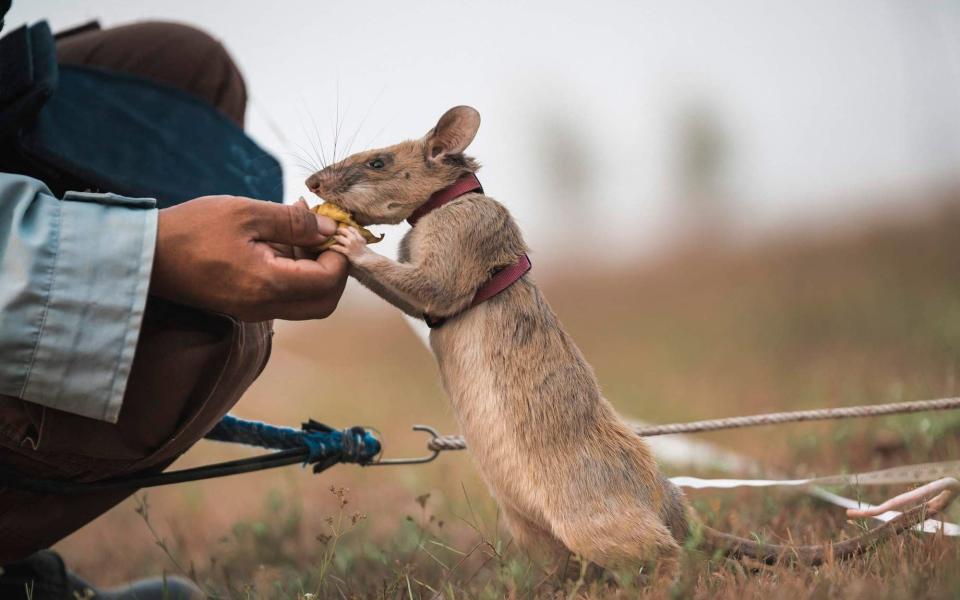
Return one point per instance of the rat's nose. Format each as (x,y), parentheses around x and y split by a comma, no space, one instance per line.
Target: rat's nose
(313,182)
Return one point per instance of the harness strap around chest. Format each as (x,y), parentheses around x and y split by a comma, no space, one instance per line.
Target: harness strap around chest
(502,278)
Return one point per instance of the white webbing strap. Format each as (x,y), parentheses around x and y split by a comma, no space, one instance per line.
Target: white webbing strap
(921,473)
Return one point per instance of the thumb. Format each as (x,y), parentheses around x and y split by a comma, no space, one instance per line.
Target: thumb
(290,224)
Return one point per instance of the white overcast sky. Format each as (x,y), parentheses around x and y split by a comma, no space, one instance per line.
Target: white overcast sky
(826,105)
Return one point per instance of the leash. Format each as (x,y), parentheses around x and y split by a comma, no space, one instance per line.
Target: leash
(313,444)
(455,442)
(322,447)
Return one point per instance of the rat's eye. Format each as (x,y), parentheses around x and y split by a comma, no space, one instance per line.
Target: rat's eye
(376,163)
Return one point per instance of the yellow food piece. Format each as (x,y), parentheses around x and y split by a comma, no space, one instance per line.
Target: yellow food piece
(344,218)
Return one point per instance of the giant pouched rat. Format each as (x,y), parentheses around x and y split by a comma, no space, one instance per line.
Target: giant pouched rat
(567,472)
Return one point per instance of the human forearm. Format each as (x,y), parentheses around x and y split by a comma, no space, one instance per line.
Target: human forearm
(75,278)
(76,274)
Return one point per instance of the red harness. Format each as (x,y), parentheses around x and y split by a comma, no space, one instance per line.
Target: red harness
(502,278)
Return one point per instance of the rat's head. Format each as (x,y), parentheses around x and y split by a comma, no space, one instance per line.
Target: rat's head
(387,185)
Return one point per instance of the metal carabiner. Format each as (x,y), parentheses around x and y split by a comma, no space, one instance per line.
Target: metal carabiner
(409,461)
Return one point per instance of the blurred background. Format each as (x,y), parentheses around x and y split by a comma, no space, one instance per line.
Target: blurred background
(734,207)
(743,116)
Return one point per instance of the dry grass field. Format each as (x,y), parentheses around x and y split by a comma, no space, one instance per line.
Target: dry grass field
(859,316)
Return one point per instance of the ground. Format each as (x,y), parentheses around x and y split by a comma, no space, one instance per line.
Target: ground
(868,314)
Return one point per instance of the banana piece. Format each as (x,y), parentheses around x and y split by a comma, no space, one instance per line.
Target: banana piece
(344,218)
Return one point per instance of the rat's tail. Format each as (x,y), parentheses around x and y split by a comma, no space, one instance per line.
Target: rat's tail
(942,492)
(737,547)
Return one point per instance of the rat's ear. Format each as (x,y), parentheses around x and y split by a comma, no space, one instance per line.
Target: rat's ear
(453,133)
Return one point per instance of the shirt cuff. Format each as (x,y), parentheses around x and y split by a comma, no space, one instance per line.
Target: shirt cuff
(98,290)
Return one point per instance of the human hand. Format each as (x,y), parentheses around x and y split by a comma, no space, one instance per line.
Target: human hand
(243,257)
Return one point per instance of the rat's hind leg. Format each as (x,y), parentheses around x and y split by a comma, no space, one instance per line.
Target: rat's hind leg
(531,537)
(631,538)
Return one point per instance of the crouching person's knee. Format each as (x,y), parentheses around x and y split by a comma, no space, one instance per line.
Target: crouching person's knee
(189,369)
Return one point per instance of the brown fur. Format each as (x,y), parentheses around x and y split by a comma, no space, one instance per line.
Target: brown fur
(567,472)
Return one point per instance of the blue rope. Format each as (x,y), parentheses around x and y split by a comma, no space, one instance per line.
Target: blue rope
(323,443)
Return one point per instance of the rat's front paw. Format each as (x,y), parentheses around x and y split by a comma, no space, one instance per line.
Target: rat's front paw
(350,243)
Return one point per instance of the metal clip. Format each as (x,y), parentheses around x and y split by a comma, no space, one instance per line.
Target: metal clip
(410,461)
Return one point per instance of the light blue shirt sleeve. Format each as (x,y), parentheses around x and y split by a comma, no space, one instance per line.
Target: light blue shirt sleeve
(74,276)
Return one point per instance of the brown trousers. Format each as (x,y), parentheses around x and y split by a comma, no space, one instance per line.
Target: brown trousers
(190,366)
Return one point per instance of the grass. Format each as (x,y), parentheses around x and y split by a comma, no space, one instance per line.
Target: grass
(864,316)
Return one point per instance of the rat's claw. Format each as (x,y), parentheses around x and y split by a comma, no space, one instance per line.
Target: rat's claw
(354,239)
(349,242)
